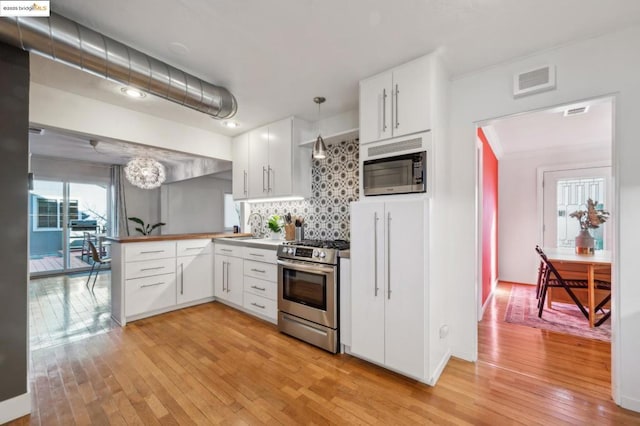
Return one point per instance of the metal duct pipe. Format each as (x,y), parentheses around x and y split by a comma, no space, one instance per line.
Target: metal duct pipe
(66,41)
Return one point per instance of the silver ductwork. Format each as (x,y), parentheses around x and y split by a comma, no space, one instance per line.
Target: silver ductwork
(66,41)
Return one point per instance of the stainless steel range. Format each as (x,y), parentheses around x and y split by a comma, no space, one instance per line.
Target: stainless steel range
(308,284)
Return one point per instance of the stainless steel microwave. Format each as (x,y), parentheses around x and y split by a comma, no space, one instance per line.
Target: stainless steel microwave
(400,174)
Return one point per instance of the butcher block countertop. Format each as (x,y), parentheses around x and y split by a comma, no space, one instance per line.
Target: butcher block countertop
(172,237)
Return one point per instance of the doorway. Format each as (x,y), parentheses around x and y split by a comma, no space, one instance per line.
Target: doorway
(63,216)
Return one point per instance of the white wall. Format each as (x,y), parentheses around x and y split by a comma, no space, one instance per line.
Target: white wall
(49,107)
(78,171)
(518,221)
(194,205)
(143,204)
(605,65)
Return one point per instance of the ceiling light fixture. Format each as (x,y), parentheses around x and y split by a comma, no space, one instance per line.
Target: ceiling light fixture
(230,124)
(145,173)
(133,93)
(319,147)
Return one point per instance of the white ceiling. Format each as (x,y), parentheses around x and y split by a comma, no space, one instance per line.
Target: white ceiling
(275,56)
(546,129)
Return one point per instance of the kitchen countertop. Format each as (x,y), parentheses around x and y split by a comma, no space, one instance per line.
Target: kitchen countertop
(265,243)
(172,237)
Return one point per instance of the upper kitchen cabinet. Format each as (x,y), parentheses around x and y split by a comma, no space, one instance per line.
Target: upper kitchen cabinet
(271,162)
(396,102)
(240,174)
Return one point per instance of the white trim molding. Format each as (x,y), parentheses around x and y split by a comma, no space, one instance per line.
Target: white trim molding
(15,407)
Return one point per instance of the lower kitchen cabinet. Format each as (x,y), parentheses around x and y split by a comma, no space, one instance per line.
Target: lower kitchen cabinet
(150,294)
(229,274)
(195,278)
(389,272)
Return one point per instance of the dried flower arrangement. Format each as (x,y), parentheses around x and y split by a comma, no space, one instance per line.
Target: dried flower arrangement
(592,217)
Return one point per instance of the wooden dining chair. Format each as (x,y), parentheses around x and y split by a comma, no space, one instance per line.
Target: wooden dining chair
(97,260)
(551,278)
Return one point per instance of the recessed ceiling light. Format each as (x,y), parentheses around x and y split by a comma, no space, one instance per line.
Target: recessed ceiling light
(134,93)
(230,124)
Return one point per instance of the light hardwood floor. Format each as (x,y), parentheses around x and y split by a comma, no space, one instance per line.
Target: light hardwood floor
(211,364)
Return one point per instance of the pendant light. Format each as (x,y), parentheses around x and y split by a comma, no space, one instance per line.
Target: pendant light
(319,147)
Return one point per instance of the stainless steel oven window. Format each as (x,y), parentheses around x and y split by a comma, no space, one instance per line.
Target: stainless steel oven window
(305,288)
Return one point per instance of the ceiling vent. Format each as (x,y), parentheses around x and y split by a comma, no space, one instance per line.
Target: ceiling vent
(576,111)
(534,81)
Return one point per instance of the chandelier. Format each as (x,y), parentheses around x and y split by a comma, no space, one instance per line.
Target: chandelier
(145,173)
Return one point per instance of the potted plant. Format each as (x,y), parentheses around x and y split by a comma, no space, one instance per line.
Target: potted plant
(275,225)
(145,229)
(589,219)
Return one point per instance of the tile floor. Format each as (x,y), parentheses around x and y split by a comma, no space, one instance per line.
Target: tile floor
(63,310)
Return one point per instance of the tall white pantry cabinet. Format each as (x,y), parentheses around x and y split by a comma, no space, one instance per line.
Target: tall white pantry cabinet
(398,311)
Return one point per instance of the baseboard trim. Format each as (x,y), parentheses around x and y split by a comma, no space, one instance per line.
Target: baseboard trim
(439,369)
(630,403)
(15,407)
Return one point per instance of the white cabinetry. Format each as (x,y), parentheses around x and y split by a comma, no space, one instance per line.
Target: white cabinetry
(194,270)
(396,102)
(240,173)
(268,161)
(261,282)
(228,271)
(149,278)
(389,263)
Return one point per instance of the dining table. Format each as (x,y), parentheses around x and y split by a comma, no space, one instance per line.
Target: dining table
(568,259)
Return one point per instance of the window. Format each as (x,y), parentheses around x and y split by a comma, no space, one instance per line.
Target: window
(49,214)
(572,195)
(231,212)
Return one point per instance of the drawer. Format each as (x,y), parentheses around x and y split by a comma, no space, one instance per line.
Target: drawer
(267,289)
(261,270)
(228,250)
(149,268)
(149,294)
(260,305)
(194,247)
(260,255)
(134,252)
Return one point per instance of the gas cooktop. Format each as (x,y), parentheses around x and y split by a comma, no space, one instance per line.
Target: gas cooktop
(327,244)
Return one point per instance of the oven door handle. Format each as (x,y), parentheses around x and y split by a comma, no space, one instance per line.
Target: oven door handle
(307,268)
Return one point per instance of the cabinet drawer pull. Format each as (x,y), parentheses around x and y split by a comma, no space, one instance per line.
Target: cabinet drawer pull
(152,251)
(257,305)
(259,288)
(227,250)
(194,248)
(256,254)
(262,271)
(152,269)
(151,285)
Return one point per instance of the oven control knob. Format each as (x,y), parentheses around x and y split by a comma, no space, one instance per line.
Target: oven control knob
(316,253)
(322,254)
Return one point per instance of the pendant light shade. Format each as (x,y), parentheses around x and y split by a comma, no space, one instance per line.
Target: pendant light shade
(319,147)
(145,173)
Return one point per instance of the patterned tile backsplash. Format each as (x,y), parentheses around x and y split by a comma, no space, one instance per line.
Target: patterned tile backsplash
(334,186)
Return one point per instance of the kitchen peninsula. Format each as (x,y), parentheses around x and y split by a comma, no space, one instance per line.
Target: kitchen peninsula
(154,274)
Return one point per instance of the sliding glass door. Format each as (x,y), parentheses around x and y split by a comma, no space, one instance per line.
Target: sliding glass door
(63,216)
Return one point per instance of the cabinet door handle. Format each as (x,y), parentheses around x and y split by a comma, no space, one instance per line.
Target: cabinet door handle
(245,182)
(224,282)
(384,110)
(259,288)
(264,170)
(182,278)
(256,254)
(151,285)
(388,255)
(396,104)
(375,254)
(151,269)
(269,171)
(259,306)
(262,271)
(228,263)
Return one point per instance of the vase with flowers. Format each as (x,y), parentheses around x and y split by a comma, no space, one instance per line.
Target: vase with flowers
(591,218)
